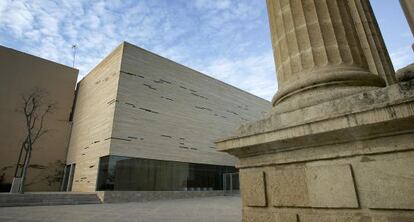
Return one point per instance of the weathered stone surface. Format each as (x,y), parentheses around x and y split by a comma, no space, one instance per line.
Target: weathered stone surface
(288,188)
(394,219)
(371,40)
(350,118)
(316,47)
(258,216)
(333,218)
(284,217)
(321,187)
(387,184)
(331,187)
(253,188)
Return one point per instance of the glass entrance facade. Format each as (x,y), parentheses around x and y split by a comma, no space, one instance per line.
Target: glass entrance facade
(125,173)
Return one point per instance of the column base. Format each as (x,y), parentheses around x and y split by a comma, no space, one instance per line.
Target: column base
(319,94)
(349,159)
(324,84)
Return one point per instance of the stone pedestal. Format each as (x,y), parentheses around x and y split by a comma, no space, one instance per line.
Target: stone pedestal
(339,144)
(349,159)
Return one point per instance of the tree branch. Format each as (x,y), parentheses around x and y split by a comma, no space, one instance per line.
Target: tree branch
(40,131)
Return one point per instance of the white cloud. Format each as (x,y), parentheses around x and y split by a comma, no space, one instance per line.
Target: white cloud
(210,34)
(254,74)
(15,16)
(216,5)
(228,39)
(402,57)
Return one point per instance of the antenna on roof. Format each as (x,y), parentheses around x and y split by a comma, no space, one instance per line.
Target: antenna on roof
(74,55)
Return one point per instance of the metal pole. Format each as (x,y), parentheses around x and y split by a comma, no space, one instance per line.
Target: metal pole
(74,55)
(231,183)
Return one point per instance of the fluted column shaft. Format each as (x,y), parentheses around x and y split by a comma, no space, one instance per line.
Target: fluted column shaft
(408,8)
(316,45)
(371,40)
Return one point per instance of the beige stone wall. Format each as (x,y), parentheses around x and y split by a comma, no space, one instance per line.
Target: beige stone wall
(349,159)
(138,104)
(167,111)
(20,74)
(370,186)
(93,119)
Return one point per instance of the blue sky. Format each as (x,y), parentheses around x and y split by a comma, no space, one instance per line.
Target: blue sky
(226,39)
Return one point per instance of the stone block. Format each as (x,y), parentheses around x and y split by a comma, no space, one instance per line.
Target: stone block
(331,187)
(387,184)
(253,188)
(396,219)
(288,188)
(258,216)
(321,186)
(284,217)
(333,218)
(352,218)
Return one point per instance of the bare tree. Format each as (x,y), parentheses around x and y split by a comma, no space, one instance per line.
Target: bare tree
(35,111)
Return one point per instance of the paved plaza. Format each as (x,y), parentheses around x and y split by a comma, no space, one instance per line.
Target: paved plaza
(220,209)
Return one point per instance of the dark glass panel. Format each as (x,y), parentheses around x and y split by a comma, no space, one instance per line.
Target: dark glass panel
(124,173)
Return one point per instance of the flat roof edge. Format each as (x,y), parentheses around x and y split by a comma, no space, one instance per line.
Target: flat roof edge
(198,72)
(40,58)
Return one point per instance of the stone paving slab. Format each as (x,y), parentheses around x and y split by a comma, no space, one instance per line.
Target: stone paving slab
(214,209)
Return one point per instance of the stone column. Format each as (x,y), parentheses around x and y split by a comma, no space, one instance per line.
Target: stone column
(407,73)
(371,40)
(317,51)
(408,8)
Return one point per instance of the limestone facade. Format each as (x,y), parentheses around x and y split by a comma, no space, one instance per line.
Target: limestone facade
(138,104)
(92,121)
(347,154)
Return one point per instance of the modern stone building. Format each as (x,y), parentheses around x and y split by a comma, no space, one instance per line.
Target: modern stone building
(20,75)
(142,122)
(338,145)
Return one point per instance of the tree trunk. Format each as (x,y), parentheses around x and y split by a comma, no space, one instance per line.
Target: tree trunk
(16,172)
(25,167)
